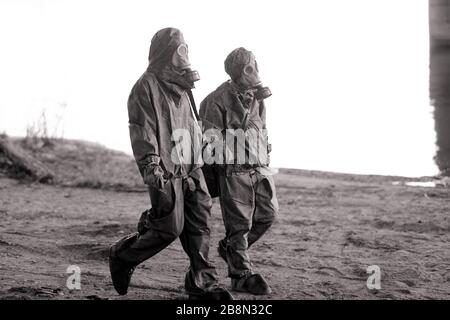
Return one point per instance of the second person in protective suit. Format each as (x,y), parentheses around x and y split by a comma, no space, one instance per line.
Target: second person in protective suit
(238,168)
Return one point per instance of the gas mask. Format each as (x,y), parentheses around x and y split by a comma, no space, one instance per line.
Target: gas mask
(181,66)
(250,79)
(243,69)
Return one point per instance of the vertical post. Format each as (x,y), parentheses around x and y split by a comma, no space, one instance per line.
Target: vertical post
(439,18)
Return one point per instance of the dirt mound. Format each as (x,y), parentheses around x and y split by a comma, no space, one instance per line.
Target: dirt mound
(69,163)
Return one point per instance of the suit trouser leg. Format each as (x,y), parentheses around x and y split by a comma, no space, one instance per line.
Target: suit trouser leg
(195,237)
(237,203)
(164,228)
(266,207)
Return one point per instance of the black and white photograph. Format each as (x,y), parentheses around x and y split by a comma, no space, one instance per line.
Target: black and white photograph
(237,152)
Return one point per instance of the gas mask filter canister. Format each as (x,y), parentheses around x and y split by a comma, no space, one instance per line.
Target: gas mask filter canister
(262,92)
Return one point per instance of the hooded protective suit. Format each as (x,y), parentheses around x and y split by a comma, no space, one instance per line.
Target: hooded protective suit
(247,191)
(159,105)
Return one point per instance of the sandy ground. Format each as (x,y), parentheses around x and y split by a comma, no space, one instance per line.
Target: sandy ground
(330,229)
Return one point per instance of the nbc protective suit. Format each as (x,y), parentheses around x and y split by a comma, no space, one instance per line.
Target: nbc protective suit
(246,188)
(158,107)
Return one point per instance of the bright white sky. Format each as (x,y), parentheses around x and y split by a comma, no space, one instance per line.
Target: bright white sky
(349,78)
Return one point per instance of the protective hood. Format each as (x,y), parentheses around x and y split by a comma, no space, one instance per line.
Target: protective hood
(169,60)
(242,67)
(164,44)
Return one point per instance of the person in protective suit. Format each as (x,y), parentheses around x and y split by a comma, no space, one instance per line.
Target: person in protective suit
(238,170)
(159,105)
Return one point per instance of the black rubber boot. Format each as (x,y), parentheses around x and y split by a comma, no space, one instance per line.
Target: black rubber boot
(121,271)
(253,283)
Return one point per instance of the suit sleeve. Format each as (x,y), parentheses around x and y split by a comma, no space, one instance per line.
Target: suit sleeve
(214,127)
(211,115)
(143,126)
(262,115)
